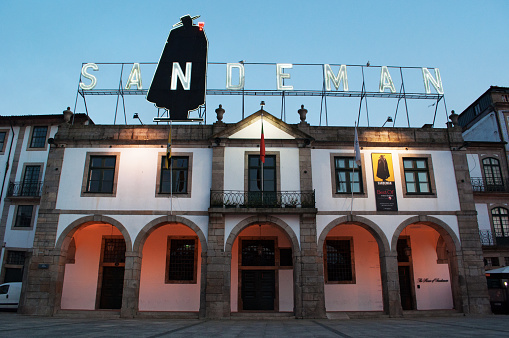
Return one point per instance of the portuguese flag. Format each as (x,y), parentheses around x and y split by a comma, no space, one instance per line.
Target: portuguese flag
(262,146)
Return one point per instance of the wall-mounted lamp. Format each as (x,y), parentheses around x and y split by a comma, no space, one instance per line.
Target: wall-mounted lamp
(135,116)
(389,119)
(51,140)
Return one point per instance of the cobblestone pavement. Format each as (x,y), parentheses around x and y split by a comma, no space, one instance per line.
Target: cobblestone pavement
(14,325)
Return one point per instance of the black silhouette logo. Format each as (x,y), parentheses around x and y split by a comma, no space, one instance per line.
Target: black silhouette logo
(179,82)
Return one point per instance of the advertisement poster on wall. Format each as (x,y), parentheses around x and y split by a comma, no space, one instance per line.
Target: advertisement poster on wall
(385,188)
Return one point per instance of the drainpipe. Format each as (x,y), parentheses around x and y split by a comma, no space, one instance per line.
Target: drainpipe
(8,159)
(499,126)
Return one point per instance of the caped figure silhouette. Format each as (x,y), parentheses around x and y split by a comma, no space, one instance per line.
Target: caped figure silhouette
(383,169)
(186,43)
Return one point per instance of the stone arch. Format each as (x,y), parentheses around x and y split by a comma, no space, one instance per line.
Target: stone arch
(66,235)
(63,241)
(370,226)
(160,221)
(139,242)
(262,219)
(389,287)
(440,226)
(451,240)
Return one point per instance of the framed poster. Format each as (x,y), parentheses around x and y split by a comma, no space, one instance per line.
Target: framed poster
(385,188)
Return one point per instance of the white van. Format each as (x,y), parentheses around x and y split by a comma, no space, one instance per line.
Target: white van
(9,295)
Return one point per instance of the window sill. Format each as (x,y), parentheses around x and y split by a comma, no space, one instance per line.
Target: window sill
(417,195)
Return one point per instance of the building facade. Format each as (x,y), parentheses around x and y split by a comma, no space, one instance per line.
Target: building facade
(306,233)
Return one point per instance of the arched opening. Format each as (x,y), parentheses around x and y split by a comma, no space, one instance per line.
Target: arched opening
(263,256)
(171,269)
(427,265)
(94,264)
(352,272)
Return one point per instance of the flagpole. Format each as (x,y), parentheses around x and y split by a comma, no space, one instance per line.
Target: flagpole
(171,176)
(355,159)
(263,155)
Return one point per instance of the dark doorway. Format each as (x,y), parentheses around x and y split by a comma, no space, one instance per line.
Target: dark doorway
(405,287)
(112,272)
(112,287)
(258,274)
(258,290)
(405,272)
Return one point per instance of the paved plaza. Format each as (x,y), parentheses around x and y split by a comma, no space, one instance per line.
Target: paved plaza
(15,325)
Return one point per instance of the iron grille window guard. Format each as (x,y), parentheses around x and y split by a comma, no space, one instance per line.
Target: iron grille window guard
(25,189)
(480,184)
(258,199)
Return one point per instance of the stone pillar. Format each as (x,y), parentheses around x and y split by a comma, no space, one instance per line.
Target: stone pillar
(217,299)
(217,289)
(471,274)
(311,279)
(46,263)
(390,284)
(131,290)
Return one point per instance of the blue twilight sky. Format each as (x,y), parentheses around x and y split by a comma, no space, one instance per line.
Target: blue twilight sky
(44,44)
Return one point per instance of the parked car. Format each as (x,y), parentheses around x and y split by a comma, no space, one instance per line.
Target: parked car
(9,295)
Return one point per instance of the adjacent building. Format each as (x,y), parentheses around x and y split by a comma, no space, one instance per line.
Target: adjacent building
(24,151)
(219,233)
(485,130)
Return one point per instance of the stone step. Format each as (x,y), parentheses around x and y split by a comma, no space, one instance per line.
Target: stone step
(432,313)
(109,314)
(262,315)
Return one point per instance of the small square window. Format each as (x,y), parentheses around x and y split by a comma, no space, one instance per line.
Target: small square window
(39,137)
(15,257)
(181,260)
(285,257)
(24,216)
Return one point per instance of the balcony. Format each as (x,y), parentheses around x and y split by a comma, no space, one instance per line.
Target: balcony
(25,189)
(268,199)
(488,238)
(480,184)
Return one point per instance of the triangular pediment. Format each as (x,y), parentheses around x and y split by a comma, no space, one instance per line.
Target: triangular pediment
(273,128)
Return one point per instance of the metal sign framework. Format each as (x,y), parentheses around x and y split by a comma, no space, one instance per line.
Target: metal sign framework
(120,92)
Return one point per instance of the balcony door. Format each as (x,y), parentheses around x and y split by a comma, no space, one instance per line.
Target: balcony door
(30,184)
(262,188)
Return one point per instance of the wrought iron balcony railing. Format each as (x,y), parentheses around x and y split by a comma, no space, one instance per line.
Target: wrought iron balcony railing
(267,199)
(25,189)
(480,184)
(490,238)
(487,238)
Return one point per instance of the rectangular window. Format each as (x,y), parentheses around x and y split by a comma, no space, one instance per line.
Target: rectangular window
(339,263)
(3,134)
(174,180)
(348,175)
(101,174)
(491,261)
(416,175)
(39,137)
(15,257)
(181,260)
(24,216)
(255,173)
